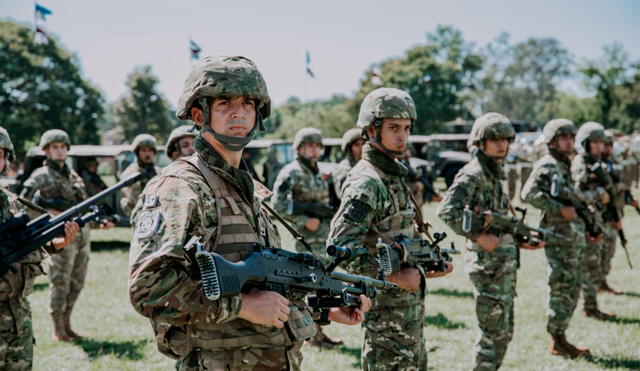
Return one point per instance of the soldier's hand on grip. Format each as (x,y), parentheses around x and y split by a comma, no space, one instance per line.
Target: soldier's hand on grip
(312,224)
(488,241)
(436,274)
(70,231)
(406,278)
(350,315)
(568,213)
(267,308)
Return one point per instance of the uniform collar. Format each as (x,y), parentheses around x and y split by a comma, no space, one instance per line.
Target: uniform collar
(383,161)
(491,166)
(62,169)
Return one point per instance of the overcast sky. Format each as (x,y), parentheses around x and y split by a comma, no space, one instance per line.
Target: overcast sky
(343,37)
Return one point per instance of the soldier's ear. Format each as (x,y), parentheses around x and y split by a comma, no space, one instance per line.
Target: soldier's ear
(197,116)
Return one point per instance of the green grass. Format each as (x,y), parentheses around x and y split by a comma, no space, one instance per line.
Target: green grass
(120,339)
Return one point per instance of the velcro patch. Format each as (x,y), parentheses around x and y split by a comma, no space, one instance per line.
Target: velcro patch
(357,211)
(148,223)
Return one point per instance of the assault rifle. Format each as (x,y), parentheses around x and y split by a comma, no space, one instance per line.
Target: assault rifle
(507,224)
(311,209)
(20,235)
(283,272)
(427,254)
(582,209)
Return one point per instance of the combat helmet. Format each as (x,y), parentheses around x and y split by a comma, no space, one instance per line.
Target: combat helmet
(307,135)
(557,127)
(491,125)
(589,131)
(178,133)
(385,103)
(143,140)
(54,135)
(224,76)
(349,137)
(5,142)
(608,137)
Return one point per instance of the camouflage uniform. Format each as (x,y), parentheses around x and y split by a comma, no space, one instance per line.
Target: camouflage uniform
(478,185)
(203,195)
(591,193)
(375,199)
(610,234)
(340,172)
(300,182)
(69,267)
(129,195)
(564,256)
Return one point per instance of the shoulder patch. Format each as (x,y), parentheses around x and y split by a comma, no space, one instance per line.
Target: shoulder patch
(148,223)
(151,200)
(357,211)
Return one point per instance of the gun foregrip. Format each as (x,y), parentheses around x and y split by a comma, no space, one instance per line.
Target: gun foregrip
(209,275)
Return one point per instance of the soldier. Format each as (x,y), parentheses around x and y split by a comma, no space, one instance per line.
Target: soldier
(301,193)
(352,142)
(144,146)
(376,203)
(564,256)
(207,195)
(590,145)
(89,173)
(16,332)
(491,256)
(56,187)
(180,142)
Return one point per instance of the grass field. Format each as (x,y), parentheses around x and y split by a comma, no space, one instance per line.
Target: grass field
(120,339)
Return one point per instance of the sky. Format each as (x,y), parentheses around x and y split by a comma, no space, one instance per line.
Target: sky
(343,37)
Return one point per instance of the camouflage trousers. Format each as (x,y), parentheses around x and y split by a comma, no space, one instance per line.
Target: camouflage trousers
(67,273)
(591,273)
(494,277)
(563,274)
(393,338)
(608,249)
(16,335)
(244,359)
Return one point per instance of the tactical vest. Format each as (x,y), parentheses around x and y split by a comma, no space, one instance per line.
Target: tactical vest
(69,187)
(313,189)
(233,239)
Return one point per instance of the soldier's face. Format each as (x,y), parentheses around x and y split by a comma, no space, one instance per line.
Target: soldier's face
(146,155)
(233,116)
(496,148)
(394,134)
(310,151)
(596,147)
(3,159)
(564,143)
(57,151)
(607,149)
(356,149)
(185,146)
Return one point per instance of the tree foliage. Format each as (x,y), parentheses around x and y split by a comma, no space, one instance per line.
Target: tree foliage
(41,88)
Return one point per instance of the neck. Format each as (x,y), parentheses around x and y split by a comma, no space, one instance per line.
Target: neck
(379,148)
(231,157)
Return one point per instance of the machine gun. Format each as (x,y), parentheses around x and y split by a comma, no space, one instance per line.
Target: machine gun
(499,223)
(284,272)
(582,209)
(20,235)
(311,209)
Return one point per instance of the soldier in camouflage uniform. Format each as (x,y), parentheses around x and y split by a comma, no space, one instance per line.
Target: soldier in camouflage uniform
(207,195)
(57,187)
(16,332)
(144,146)
(301,193)
(180,142)
(491,256)
(89,173)
(352,142)
(564,256)
(590,145)
(376,203)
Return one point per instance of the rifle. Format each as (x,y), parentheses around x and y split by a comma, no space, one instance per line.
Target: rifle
(20,235)
(582,209)
(311,209)
(499,223)
(60,204)
(283,272)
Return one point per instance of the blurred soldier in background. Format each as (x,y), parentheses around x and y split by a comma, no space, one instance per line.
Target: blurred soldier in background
(144,146)
(352,142)
(180,142)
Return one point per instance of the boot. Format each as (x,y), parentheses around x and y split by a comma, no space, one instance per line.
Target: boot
(561,347)
(597,314)
(67,327)
(323,340)
(59,332)
(604,287)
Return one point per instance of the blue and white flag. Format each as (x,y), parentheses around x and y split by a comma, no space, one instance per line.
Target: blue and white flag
(42,12)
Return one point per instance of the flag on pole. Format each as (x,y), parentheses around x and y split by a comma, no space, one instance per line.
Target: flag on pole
(309,71)
(42,12)
(195,49)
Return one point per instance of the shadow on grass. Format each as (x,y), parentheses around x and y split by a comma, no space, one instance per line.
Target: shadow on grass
(615,362)
(354,352)
(452,292)
(40,286)
(624,320)
(131,350)
(441,321)
(632,294)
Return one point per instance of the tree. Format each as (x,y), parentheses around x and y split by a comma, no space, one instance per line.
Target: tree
(41,88)
(438,75)
(143,109)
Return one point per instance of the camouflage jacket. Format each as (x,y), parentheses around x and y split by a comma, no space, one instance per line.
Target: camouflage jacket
(93,183)
(477,184)
(537,192)
(340,173)
(129,195)
(585,183)
(179,204)
(53,181)
(617,172)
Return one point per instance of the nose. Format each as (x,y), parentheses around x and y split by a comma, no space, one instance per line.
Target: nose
(237,111)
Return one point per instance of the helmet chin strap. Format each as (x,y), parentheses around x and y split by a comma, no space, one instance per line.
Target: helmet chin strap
(377,138)
(231,143)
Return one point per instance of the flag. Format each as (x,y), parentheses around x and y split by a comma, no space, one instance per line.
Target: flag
(309,72)
(41,36)
(195,49)
(42,12)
